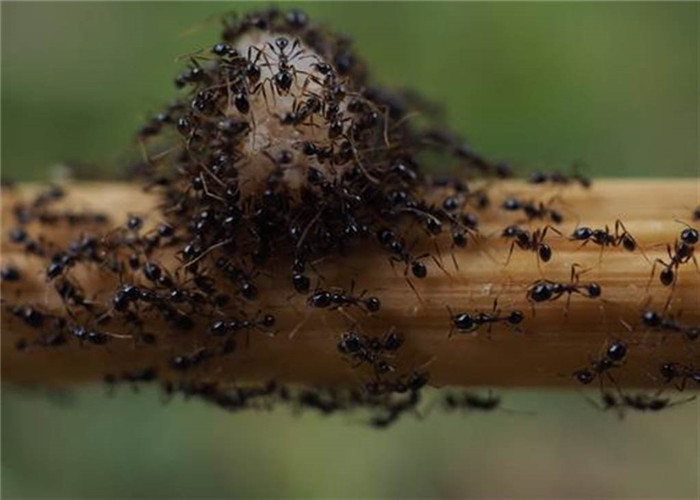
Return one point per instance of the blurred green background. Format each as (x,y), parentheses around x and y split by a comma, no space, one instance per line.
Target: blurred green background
(540,84)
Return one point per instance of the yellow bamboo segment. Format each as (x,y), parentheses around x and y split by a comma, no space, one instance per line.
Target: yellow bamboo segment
(544,350)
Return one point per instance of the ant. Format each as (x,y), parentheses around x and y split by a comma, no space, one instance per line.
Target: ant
(683,252)
(323,299)
(282,80)
(31,316)
(532,210)
(671,371)
(559,178)
(639,402)
(418,268)
(370,350)
(604,237)
(466,322)
(548,291)
(614,354)
(527,241)
(394,410)
(654,320)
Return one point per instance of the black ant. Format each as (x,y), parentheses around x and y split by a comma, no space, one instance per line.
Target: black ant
(394,409)
(220,328)
(134,223)
(126,295)
(638,402)
(527,241)
(547,291)
(92,336)
(654,320)
(465,322)
(31,316)
(559,178)
(604,237)
(370,350)
(671,371)
(388,240)
(533,210)
(682,253)
(282,80)
(324,299)
(614,355)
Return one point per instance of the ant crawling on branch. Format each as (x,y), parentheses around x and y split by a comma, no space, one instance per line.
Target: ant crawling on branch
(638,402)
(540,177)
(548,291)
(615,353)
(683,252)
(604,238)
(529,241)
(323,299)
(371,350)
(672,371)
(654,320)
(465,322)
(533,210)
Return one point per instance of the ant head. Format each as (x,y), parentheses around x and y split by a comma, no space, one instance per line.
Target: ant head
(512,204)
(651,318)
(464,322)
(585,376)
(669,371)
(593,289)
(512,231)
(541,292)
(516,317)
(690,236)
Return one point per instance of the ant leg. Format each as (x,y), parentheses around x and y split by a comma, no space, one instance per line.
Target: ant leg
(670,294)
(440,266)
(681,401)
(653,270)
(420,299)
(454,259)
(566,307)
(510,253)
(299,325)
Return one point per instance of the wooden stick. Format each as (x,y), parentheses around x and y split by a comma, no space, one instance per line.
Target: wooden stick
(544,350)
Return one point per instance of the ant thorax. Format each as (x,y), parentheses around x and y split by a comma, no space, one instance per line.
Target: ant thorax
(296,122)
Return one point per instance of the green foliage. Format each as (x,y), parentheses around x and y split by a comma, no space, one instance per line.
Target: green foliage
(539,84)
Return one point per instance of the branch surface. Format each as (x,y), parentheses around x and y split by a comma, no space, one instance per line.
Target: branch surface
(545,349)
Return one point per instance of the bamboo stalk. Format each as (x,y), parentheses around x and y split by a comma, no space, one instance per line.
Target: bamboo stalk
(543,350)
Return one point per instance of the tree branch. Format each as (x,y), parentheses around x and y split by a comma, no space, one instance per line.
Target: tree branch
(544,350)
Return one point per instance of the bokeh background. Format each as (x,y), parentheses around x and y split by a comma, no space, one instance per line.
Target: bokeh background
(539,84)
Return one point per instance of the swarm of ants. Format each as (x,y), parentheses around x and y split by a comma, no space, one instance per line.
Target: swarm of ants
(279,151)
